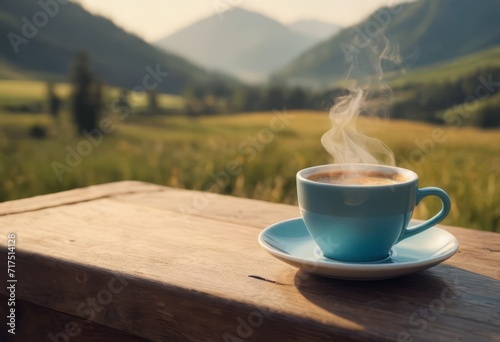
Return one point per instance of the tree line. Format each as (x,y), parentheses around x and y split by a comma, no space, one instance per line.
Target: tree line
(472,100)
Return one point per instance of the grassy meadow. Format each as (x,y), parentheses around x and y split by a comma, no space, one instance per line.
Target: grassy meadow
(263,150)
(25,92)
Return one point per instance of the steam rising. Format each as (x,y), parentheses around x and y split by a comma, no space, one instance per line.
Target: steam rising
(343,141)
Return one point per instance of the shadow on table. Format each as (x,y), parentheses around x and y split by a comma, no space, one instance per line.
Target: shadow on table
(442,300)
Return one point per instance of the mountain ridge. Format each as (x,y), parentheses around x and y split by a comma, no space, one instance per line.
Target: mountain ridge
(118,57)
(317,29)
(426,31)
(243,43)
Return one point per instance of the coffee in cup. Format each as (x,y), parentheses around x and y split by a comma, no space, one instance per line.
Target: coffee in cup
(357,177)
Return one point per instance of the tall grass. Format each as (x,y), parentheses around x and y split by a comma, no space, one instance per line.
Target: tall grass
(191,153)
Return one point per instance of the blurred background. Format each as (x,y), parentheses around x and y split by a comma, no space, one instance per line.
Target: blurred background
(181,93)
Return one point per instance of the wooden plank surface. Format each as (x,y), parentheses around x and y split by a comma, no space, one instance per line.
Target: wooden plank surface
(56,326)
(75,196)
(186,265)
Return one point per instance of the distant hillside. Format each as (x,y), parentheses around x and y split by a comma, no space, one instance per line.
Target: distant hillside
(427,32)
(244,43)
(118,57)
(315,29)
(447,92)
(8,71)
(449,70)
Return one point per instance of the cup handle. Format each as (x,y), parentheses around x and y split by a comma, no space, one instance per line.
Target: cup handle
(421,194)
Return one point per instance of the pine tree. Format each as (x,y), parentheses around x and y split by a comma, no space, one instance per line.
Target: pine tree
(86,94)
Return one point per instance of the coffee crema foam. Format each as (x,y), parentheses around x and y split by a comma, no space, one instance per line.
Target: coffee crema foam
(357,178)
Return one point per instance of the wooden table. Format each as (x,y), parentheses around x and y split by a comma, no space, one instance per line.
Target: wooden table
(132,261)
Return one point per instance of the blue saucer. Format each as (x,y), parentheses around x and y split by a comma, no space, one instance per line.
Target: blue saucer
(290,242)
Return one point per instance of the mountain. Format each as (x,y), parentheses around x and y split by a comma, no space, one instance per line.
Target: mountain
(244,43)
(315,29)
(118,58)
(450,70)
(426,31)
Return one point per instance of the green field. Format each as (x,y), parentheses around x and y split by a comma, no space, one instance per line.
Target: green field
(26,91)
(189,153)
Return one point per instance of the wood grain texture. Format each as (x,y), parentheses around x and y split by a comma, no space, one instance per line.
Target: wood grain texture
(38,324)
(185,265)
(75,196)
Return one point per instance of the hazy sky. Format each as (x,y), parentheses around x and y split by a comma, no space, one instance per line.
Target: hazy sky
(154,19)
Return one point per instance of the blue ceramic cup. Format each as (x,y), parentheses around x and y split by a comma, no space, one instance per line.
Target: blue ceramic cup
(354,219)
